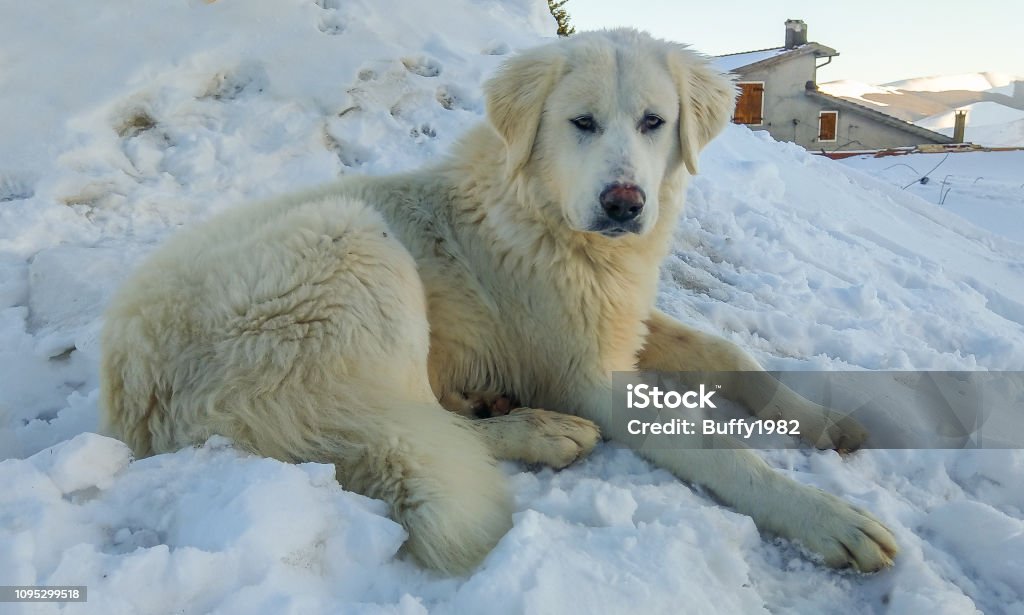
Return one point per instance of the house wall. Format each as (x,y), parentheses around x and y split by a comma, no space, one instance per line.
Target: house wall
(784,99)
(856,131)
(791,115)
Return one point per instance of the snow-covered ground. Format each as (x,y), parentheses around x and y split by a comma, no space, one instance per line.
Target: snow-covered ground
(124,121)
(986,188)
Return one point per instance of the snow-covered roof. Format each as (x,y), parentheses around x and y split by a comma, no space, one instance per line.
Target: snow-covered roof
(855,90)
(735,61)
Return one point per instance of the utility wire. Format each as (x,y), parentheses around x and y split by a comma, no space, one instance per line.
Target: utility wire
(924,178)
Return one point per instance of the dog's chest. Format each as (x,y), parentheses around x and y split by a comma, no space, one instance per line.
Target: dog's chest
(535,336)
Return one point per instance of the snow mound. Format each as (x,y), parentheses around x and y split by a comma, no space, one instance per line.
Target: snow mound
(1010,134)
(973,82)
(988,123)
(978,114)
(199,530)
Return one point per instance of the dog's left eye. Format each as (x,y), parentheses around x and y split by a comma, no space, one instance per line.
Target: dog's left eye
(585,123)
(651,122)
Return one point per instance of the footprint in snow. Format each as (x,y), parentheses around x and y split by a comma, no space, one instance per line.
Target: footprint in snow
(349,154)
(451,97)
(14,188)
(425,130)
(245,80)
(495,48)
(422,66)
(132,122)
(332,24)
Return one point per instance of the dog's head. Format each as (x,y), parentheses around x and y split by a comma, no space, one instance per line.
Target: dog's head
(603,119)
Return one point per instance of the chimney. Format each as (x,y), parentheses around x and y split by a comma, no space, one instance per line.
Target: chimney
(959,125)
(796,33)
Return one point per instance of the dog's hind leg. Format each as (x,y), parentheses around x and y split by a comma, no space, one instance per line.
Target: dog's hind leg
(673,347)
(438,477)
(395,441)
(301,333)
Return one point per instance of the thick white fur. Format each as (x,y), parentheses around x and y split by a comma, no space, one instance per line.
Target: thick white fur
(326,326)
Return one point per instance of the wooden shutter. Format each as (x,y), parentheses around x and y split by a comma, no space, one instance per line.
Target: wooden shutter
(750,104)
(827,121)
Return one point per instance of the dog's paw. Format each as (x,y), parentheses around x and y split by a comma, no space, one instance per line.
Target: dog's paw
(826,429)
(480,405)
(843,434)
(486,405)
(846,435)
(557,439)
(841,533)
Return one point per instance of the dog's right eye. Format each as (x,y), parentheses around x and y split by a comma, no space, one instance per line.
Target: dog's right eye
(585,123)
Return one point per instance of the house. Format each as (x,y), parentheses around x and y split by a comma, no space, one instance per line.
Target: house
(779,93)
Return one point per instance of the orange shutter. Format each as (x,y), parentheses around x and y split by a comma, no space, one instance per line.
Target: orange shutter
(827,121)
(749,104)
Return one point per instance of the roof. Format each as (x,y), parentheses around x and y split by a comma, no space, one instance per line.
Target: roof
(762,58)
(880,117)
(733,61)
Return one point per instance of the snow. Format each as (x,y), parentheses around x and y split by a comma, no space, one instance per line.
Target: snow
(119,129)
(855,90)
(1009,134)
(988,123)
(986,188)
(978,114)
(972,82)
(733,61)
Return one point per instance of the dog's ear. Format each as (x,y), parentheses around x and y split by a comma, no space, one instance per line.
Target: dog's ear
(706,101)
(516,96)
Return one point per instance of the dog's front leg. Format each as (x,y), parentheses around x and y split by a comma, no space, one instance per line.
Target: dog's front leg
(673,347)
(534,435)
(841,533)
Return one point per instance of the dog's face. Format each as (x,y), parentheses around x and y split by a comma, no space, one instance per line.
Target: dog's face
(603,119)
(607,139)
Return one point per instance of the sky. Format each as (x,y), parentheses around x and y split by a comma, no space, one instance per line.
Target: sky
(878,41)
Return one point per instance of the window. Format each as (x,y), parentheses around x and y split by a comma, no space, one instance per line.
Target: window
(750,104)
(827,123)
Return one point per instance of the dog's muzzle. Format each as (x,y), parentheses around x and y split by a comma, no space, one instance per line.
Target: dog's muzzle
(622,204)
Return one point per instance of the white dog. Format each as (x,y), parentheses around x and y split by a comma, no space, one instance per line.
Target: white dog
(363,323)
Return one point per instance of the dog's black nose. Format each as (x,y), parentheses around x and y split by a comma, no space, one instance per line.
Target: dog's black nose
(622,202)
